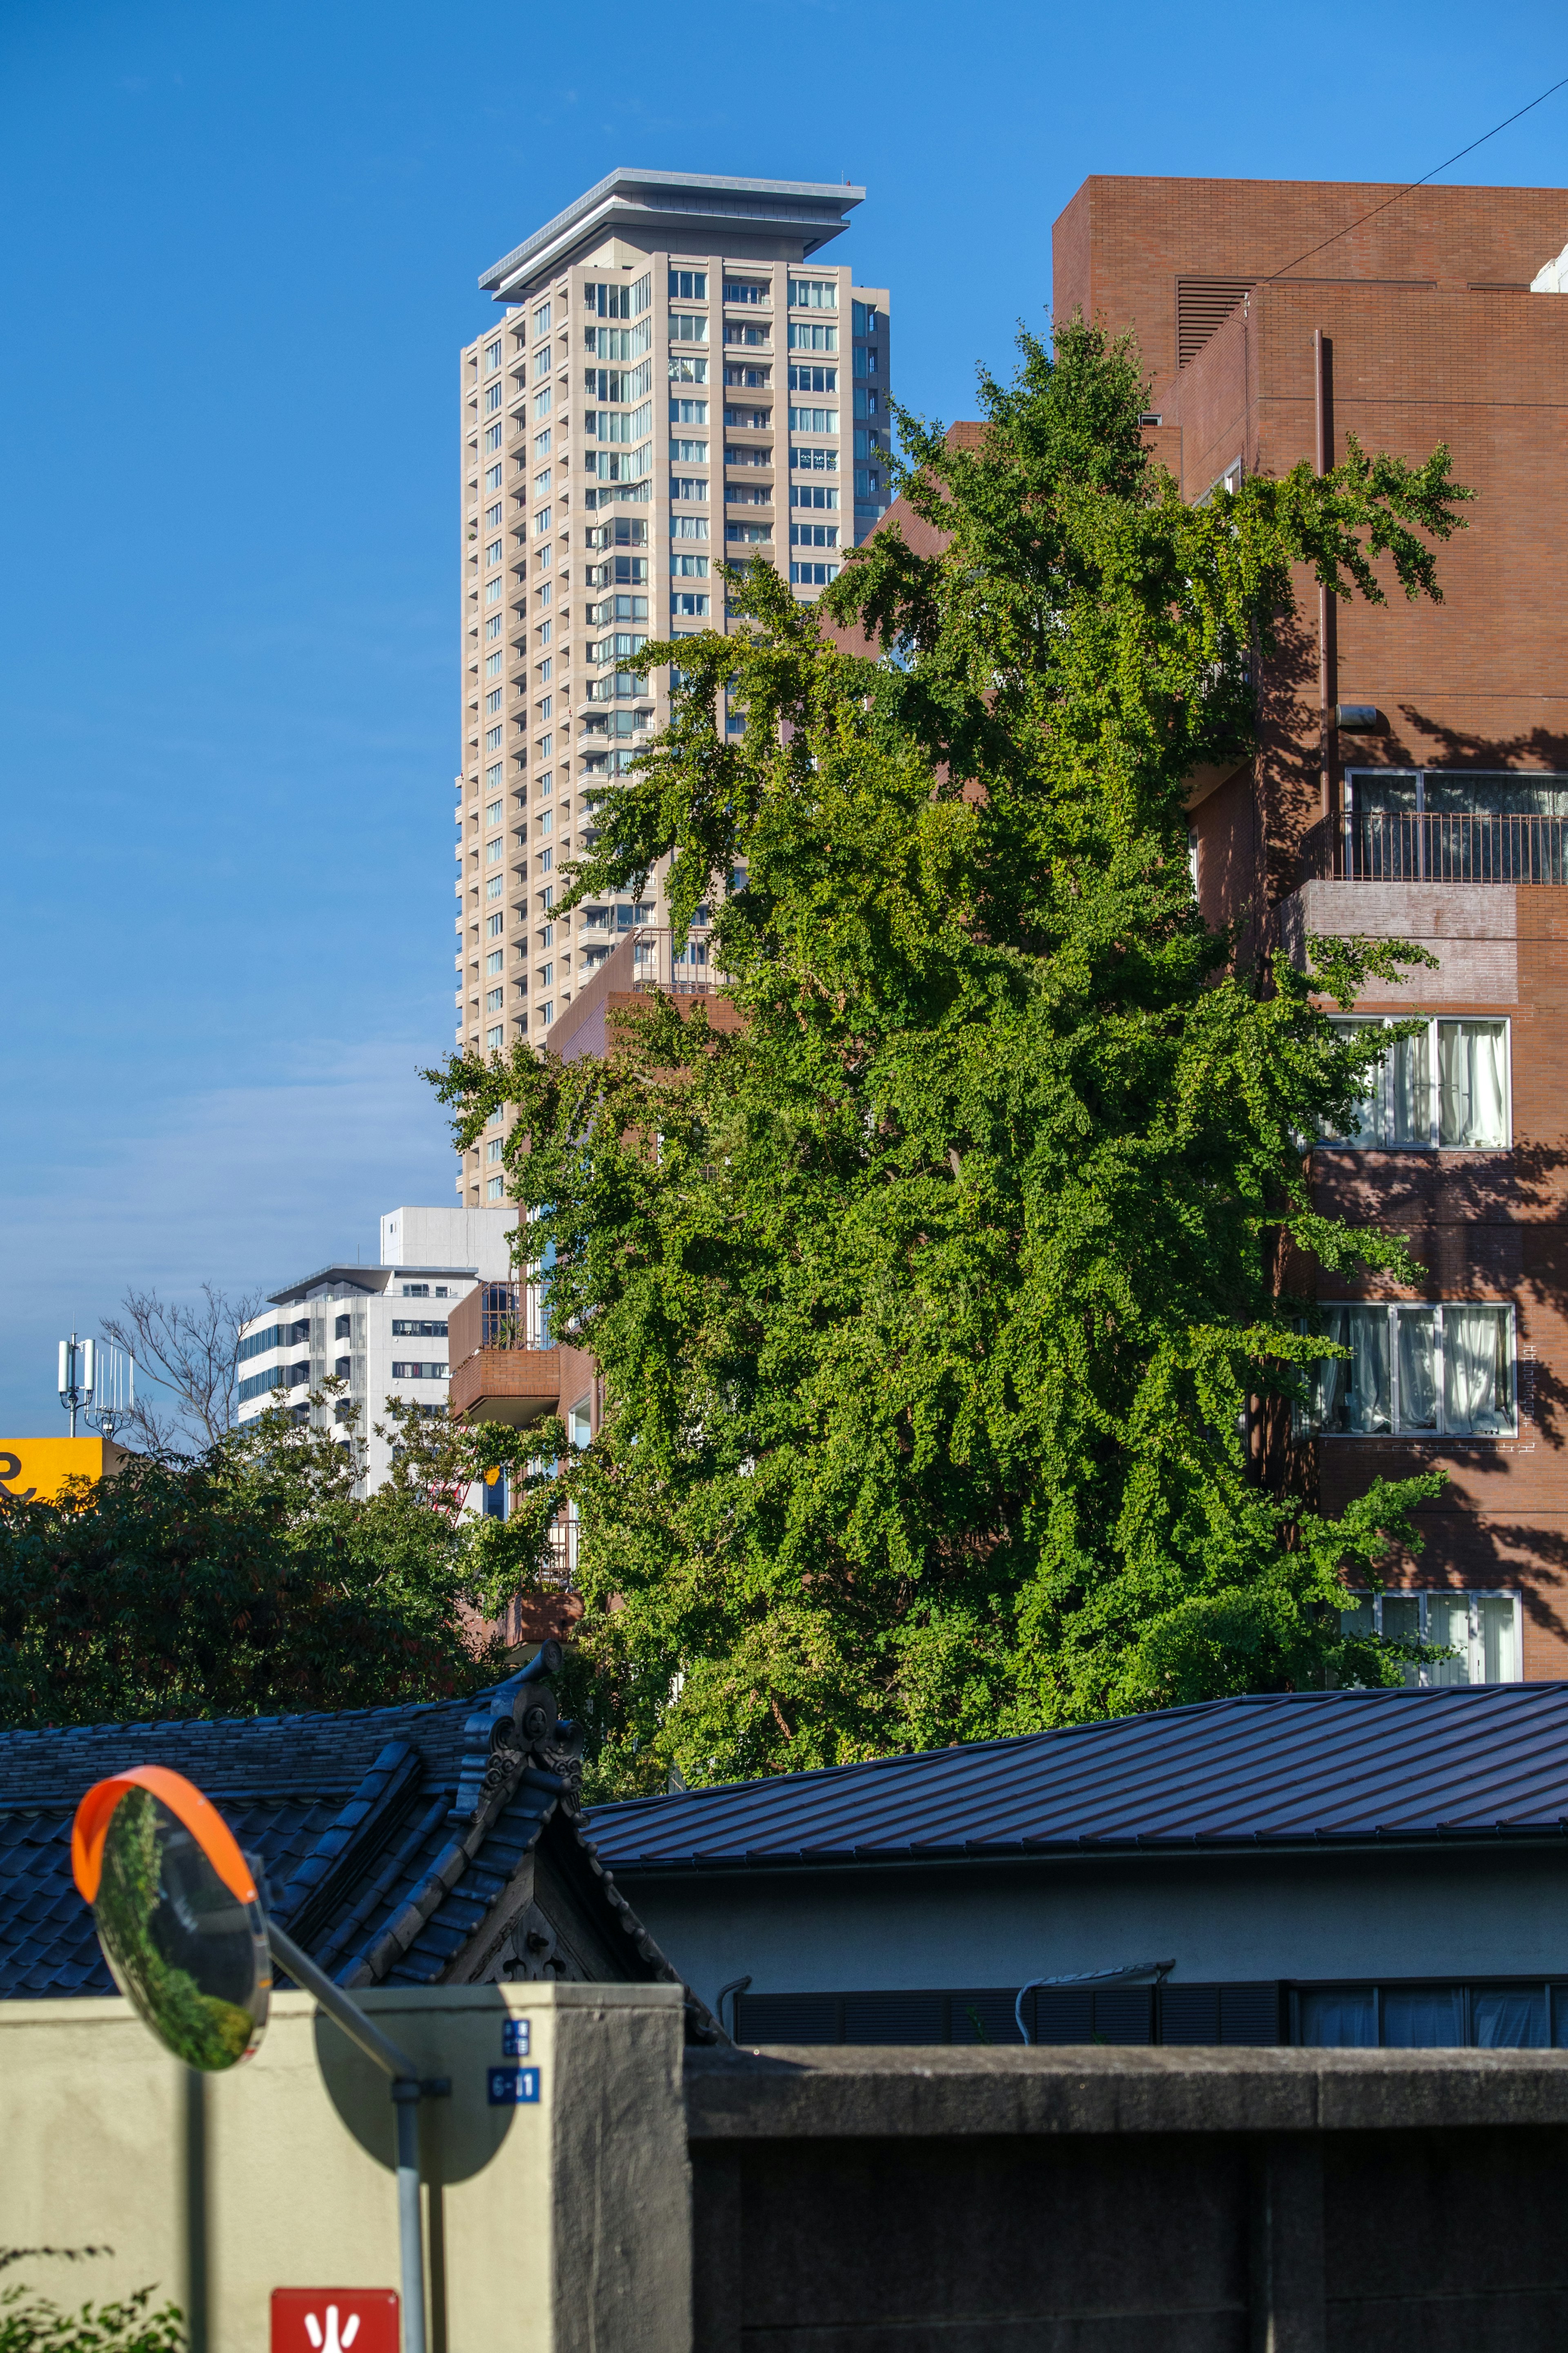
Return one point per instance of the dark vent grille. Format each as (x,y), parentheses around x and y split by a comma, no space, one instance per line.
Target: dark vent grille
(1202,305)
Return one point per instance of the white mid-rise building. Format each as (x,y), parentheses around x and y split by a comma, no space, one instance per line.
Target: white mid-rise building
(381,1328)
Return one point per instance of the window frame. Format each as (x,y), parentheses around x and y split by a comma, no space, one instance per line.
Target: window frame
(1439,1434)
(1384,1141)
(1416,1676)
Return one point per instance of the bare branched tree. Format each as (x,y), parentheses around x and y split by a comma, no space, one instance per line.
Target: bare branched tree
(190,1353)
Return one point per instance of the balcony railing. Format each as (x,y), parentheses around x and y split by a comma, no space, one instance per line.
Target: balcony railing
(504,1318)
(1436,846)
(657,962)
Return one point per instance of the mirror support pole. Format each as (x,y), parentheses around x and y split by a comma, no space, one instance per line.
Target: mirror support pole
(410,2227)
(408,2088)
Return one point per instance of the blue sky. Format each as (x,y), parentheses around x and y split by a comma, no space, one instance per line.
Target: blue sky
(240,257)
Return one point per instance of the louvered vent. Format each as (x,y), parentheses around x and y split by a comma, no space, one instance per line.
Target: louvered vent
(1202,305)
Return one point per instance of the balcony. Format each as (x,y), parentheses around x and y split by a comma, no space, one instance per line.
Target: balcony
(1437,845)
(496,1375)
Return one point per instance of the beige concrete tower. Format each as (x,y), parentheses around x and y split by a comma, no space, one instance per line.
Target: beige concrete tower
(677,376)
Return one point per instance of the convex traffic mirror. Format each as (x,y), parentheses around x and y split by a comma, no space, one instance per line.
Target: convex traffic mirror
(177,1913)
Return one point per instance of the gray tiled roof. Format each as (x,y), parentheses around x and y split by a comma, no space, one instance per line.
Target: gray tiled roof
(384,1845)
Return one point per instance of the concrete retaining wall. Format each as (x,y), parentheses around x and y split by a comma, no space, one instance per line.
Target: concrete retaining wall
(1129,2201)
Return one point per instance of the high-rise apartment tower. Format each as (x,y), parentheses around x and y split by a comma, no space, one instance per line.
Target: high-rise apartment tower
(679,378)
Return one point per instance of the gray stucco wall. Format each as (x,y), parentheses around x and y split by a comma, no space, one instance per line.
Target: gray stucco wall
(1446,1911)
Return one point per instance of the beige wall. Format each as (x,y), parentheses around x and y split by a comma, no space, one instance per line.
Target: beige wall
(560,2226)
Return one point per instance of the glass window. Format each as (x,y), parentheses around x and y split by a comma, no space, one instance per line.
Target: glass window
(1479,1629)
(1416,1369)
(1340,2018)
(1356,1395)
(689,285)
(1423,2018)
(541,319)
(495,1188)
(1473,1085)
(813,294)
(492,357)
(1508,2017)
(1447,1087)
(805,335)
(748,290)
(1445,1369)
(1478,1371)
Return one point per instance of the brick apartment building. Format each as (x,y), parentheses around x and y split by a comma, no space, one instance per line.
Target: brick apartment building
(1412,781)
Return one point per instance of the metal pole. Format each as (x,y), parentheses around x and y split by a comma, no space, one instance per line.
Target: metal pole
(407,2090)
(410,2223)
(341,2009)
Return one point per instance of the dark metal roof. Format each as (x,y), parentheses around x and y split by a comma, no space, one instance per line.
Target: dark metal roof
(1314,1769)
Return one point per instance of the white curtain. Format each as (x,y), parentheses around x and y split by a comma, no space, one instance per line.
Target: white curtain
(1448,1624)
(1333,1375)
(1472,1070)
(1340,2018)
(1498,1639)
(1417,1369)
(1510,2018)
(1478,1375)
(1423,2018)
(1413,1089)
(1368,1402)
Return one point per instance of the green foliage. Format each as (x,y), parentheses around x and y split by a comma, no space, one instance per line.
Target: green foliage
(200,2028)
(251,1579)
(930,1303)
(33,2324)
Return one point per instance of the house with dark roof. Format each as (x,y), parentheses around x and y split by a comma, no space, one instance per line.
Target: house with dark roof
(436,1844)
(1321,1867)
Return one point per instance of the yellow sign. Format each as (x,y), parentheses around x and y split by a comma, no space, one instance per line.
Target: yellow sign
(35,1469)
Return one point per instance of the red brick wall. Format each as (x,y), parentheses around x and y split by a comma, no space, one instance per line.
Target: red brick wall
(1121,245)
(1476,682)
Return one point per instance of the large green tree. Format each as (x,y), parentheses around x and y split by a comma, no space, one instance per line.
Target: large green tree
(929,1302)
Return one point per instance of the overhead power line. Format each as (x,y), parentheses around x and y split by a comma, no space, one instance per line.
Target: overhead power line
(1313,251)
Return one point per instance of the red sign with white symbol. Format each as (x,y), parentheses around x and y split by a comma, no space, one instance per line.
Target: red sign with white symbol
(334,2320)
